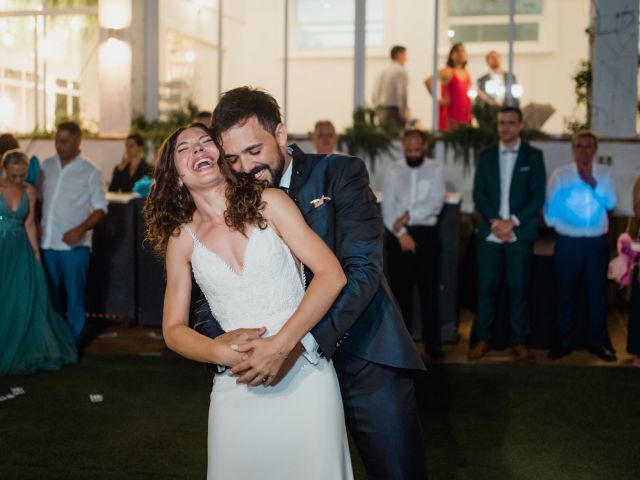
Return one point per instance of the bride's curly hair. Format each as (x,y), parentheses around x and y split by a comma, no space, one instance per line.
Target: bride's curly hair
(170,204)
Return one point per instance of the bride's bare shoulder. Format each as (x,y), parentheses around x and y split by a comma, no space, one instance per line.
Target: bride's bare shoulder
(276,195)
(180,242)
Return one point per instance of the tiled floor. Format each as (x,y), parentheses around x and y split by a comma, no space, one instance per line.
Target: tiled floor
(148,341)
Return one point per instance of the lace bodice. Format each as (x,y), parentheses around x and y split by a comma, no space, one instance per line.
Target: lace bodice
(13,221)
(265,293)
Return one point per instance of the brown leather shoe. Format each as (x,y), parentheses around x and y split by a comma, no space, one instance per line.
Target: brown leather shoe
(479,350)
(523,354)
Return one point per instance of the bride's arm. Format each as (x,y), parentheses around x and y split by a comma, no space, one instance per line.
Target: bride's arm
(175,317)
(328,279)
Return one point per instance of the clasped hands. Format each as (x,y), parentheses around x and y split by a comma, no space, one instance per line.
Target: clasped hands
(407,243)
(255,360)
(503,229)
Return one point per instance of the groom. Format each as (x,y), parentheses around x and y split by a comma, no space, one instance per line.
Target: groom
(363,333)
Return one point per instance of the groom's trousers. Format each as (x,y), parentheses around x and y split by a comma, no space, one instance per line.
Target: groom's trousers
(391,446)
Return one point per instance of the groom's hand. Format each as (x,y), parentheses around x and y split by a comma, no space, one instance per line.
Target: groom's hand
(236,337)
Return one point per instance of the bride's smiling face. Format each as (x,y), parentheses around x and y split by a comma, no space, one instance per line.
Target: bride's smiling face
(196,159)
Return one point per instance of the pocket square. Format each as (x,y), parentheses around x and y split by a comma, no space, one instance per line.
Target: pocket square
(318,202)
(525,169)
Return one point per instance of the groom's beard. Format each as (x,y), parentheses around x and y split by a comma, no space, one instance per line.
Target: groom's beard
(276,172)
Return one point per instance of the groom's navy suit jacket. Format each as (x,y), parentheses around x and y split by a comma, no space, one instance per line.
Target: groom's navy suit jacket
(365,320)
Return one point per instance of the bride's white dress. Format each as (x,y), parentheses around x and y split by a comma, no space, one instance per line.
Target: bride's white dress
(294,430)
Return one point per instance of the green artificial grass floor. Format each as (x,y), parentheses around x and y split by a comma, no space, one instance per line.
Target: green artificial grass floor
(498,422)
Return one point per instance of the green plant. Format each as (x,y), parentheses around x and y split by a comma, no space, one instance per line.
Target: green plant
(157,130)
(583,80)
(486,115)
(466,140)
(367,138)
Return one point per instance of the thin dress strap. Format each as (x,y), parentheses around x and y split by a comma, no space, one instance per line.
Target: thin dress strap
(191,234)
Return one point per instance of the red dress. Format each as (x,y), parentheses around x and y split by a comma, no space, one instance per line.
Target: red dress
(459,108)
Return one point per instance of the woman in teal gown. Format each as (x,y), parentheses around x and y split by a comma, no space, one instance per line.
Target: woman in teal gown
(32,335)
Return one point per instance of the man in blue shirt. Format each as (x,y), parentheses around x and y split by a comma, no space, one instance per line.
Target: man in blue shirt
(578,199)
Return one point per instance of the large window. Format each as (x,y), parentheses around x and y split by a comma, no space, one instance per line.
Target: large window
(330,23)
(48,64)
(494,32)
(477,21)
(461,8)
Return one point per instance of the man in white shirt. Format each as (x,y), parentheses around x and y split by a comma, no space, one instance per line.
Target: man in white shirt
(73,202)
(390,90)
(578,199)
(508,193)
(413,197)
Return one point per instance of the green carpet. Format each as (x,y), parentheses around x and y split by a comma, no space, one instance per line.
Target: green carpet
(480,422)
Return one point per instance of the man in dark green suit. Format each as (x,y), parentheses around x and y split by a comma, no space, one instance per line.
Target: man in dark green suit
(508,192)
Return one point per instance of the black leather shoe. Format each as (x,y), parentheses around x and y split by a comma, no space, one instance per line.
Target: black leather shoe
(604,354)
(557,352)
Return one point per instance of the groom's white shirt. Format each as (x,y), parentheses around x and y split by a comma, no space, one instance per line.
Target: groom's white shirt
(308,342)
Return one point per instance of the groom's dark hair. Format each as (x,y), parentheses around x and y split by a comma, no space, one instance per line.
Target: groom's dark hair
(239,105)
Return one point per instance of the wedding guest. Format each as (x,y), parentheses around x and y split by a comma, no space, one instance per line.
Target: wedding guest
(579,197)
(413,197)
(7,142)
(633,339)
(203,117)
(390,95)
(492,86)
(32,335)
(132,167)
(508,192)
(455,82)
(73,202)
(325,138)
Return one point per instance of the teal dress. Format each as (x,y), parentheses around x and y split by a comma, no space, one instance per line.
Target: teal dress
(32,335)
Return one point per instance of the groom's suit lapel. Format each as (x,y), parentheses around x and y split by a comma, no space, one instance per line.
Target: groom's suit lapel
(301,169)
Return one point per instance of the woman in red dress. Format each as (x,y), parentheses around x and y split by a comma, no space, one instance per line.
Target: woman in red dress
(455,82)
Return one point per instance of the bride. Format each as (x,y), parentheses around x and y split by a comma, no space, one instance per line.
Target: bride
(245,244)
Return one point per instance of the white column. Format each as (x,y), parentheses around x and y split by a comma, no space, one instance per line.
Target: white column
(114,64)
(359,55)
(614,61)
(435,82)
(151,60)
(285,86)
(512,34)
(220,22)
